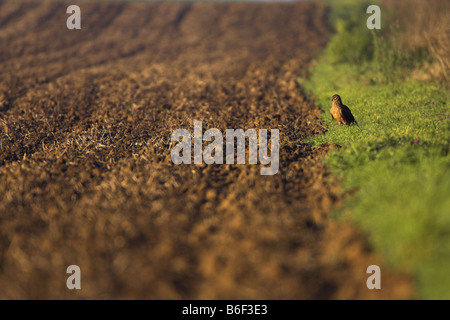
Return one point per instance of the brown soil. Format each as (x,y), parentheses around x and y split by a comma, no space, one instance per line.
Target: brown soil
(86,176)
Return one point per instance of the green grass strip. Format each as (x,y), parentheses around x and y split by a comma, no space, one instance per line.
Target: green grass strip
(397,159)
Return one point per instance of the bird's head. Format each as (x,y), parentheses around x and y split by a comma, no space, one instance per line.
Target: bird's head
(336,98)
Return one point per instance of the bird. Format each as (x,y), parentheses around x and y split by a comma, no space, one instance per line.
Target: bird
(340,112)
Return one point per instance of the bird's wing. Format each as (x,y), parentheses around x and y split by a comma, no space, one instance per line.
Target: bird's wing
(348,114)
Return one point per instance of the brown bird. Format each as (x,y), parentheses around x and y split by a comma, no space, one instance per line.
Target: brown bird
(341,113)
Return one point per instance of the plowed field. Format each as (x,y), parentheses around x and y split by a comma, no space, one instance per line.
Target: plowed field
(86,176)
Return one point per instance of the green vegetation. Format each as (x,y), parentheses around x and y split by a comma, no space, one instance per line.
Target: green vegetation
(398,157)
